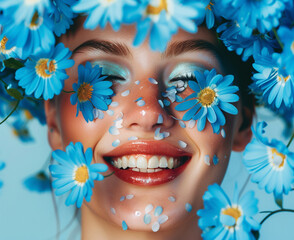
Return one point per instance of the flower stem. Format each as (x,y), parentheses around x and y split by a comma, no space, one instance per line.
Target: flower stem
(291,139)
(5,84)
(274,212)
(13,110)
(278,38)
(68,91)
(108,175)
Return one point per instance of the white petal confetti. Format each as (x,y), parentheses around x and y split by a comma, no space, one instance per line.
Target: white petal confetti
(191,123)
(182,144)
(122,198)
(110,112)
(118,123)
(141,103)
(130,196)
(162,219)
(147,218)
(113,104)
(115,143)
(148,208)
(153,81)
(207,160)
(160,119)
(188,207)
(172,199)
(113,130)
(182,124)
(132,138)
(98,113)
(137,82)
(158,210)
(125,93)
(155,227)
(223,133)
(138,213)
(112,210)
(138,99)
(161,103)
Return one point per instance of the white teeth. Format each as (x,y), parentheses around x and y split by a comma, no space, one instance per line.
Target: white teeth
(141,162)
(163,162)
(153,162)
(119,163)
(170,163)
(132,162)
(136,169)
(124,162)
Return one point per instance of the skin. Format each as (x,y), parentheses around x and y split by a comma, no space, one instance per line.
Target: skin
(97,220)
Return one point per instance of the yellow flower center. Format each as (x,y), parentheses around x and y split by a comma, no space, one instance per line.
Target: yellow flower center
(155,10)
(3,42)
(285,79)
(20,132)
(277,158)
(28,114)
(85,92)
(234,212)
(36,21)
(206,96)
(43,69)
(209,6)
(81,174)
(292,47)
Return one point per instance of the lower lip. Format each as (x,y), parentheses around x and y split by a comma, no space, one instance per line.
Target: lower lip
(147,179)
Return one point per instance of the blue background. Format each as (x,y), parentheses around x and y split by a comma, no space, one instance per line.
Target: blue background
(29,215)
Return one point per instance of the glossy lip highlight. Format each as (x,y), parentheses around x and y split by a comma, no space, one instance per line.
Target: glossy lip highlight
(147,148)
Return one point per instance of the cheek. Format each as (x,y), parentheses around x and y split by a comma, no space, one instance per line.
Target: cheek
(76,129)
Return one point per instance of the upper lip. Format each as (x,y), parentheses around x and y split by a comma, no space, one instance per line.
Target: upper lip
(147,148)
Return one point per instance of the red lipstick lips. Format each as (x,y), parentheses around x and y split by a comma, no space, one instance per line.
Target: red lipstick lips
(165,162)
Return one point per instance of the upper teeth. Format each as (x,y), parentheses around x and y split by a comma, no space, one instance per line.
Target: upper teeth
(145,163)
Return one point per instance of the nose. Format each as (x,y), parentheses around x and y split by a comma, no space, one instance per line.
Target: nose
(143,112)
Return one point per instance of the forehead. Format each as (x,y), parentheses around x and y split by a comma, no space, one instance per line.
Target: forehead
(126,35)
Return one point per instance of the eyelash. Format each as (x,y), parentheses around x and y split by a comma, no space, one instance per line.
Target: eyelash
(184,78)
(113,77)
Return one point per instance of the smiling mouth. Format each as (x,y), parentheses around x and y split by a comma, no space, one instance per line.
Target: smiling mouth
(146,163)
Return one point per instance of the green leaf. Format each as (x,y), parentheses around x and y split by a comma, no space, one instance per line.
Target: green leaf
(279,200)
(255,234)
(13,63)
(13,92)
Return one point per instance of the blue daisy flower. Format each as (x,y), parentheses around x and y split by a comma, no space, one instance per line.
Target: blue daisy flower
(8,53)
(262,15)
(162,18)
(209,13)
(22,10)
(33,37)
(39,182)
(222,219)
(20,130)
(44,73)
(269,162)
(91,91)
(62,15)
(212,94)
(230,34)
(101,11)
(287,56)
(2,166)
(76,173)
(272,81)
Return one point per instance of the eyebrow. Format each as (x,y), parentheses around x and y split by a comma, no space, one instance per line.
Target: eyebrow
(173,49)
(177,48)
(114,48)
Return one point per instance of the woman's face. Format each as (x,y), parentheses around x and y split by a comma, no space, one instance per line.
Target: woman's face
(133,66)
